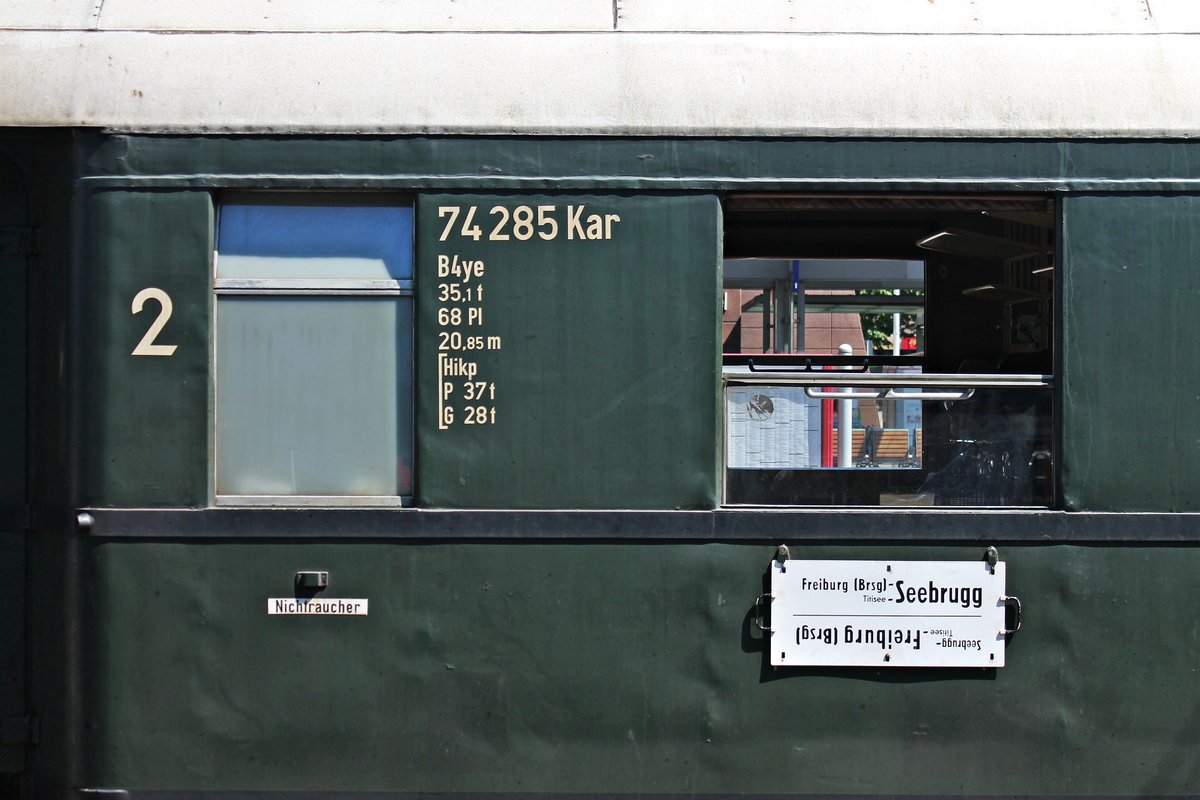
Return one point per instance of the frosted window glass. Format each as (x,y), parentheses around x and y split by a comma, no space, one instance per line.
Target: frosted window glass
(273,240)
(313,395)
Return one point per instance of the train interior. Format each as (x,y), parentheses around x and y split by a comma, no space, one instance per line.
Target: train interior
(893,350)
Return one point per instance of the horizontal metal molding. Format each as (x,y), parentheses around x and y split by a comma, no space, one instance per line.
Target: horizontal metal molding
(373,163)
(751,525)
(453,183)
(186,794)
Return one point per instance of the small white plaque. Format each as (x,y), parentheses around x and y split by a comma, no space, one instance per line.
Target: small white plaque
(318,606)
(887,613)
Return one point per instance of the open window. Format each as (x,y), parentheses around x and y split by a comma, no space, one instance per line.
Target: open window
(889,350)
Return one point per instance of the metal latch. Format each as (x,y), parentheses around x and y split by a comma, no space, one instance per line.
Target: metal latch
(759,614)
(312,580)
(1012,605)
(782,554)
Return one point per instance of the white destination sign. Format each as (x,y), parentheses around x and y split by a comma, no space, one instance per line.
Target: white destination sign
(887,613)
(318,607)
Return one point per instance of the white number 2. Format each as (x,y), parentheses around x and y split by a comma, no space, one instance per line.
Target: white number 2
(147,347)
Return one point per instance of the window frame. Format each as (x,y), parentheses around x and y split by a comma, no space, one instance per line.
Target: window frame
(804,369)
(313,287)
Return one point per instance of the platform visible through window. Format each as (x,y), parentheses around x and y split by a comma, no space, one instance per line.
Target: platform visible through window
(889,351)
(313,354)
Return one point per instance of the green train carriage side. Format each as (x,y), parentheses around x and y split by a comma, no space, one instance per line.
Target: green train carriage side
(440,442)
(566,607)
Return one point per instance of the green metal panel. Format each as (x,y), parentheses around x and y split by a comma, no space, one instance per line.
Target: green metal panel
(36,236)
(646,162)
(12,651)
(1131,365)
(528,668)
(16,242)
(16,245)
(579,370)
(521,667)
(145,417)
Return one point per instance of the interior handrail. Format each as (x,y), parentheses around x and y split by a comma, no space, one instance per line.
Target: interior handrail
(850,381)
(806,362)
(824,393)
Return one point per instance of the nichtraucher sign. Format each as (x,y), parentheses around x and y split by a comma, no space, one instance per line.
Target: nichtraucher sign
(887,613)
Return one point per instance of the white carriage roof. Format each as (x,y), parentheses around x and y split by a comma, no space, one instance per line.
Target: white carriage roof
(923,68)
